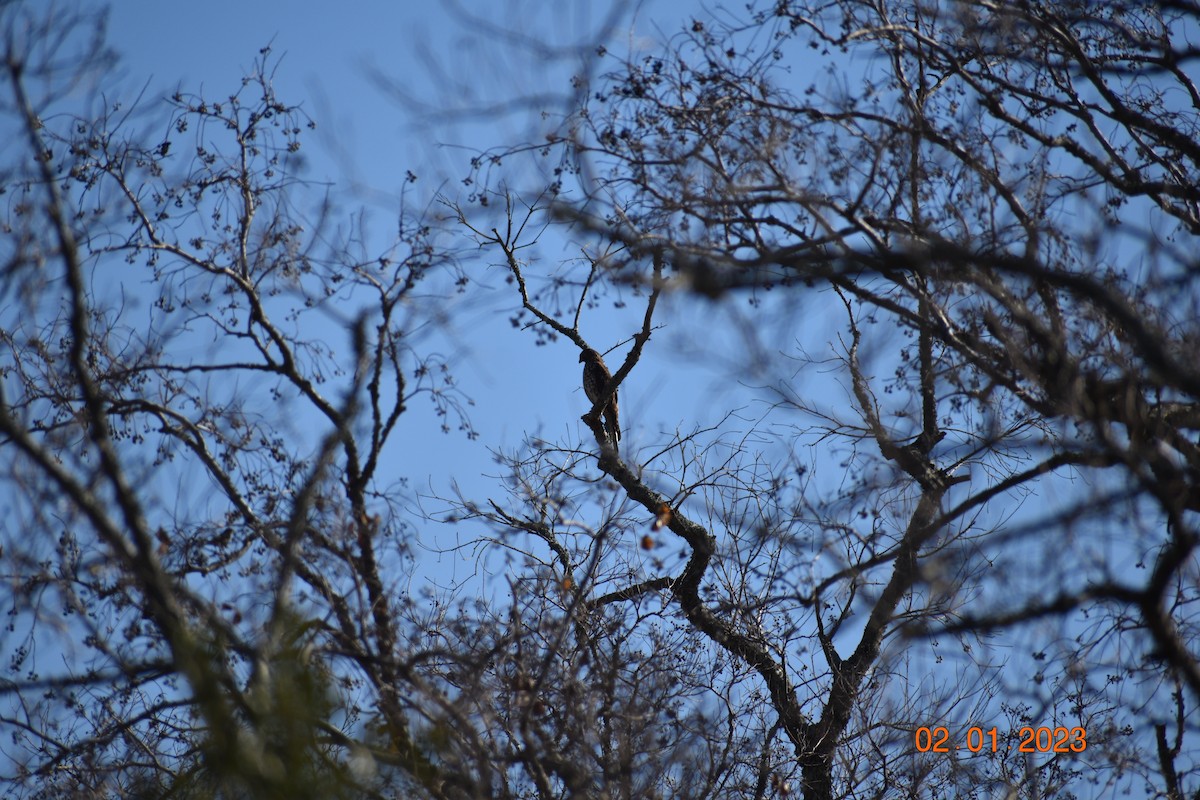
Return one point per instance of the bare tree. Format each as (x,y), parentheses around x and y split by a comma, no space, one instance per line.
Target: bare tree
(955,555)
(1003,202)
(200,375)
(209,577)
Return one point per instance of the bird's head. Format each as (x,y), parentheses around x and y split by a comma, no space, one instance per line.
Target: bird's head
(588,354)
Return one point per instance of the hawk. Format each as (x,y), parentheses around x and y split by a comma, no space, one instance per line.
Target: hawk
(596,379)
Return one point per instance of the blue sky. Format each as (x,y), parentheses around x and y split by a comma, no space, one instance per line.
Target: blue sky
(439,60)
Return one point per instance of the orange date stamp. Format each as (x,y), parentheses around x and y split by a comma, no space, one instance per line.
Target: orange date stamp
(1028,740)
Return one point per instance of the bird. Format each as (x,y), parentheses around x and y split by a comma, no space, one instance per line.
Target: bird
(596,380)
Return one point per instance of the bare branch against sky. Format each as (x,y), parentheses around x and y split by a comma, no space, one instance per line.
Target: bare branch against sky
(600,400)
